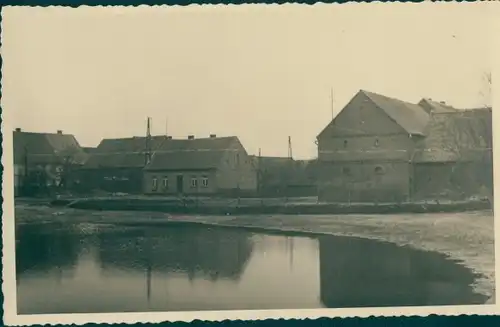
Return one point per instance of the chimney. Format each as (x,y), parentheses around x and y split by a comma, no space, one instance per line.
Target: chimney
(212,136)
(18,129)
(169,137)
(442,102)
(59,132)
(190,137)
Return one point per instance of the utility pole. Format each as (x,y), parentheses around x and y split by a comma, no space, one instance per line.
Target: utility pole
(259,173)
(290,155)
(166,126)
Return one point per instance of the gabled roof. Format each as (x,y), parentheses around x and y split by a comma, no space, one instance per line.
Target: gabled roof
(44,148)
(194,154)
(207,143)
(186,160)
(129,144)
(411,117)
(464,135)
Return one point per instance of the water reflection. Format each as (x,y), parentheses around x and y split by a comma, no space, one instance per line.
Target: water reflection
(360,273)
(158,269)
(111,269)
(212,253)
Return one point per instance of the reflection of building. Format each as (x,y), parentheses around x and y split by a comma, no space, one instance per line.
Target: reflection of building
(39,248)
(191,250)
(361,273)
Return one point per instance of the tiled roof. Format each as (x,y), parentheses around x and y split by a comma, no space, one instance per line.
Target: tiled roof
(456,136)
(413,118)
(215,143)
(130,144)
(167,154)
(122,152)
(186,154)
(186,160)
(47,147)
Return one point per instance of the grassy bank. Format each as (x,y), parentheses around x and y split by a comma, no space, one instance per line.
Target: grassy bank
(466,237)
(263,207)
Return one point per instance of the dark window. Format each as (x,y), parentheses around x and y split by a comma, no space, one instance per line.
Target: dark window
(376,142)
(345,143)
(204,181)
(379,170)
(165,183)
(346,171)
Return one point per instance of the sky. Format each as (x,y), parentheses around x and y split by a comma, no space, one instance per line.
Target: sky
(260,72)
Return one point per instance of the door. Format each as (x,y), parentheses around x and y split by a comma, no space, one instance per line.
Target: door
(180,184)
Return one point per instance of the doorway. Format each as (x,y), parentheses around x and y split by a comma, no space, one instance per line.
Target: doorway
(180,184)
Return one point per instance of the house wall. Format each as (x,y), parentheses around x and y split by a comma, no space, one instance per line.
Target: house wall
(455,181)
(116,180)
(360,139)
(236,173)
(172,187)
(364,182)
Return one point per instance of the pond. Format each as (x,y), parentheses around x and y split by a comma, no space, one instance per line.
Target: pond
(92,268)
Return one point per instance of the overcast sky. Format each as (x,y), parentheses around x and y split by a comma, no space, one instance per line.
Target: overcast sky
(262,73)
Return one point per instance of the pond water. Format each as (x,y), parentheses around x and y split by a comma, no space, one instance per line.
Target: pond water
(82,269)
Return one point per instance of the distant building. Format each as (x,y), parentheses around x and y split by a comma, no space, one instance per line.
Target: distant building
(203,166)
(283,176)
(364,152)
(455,159)
(378,148)
(116,165)
(89,149)
(45,160)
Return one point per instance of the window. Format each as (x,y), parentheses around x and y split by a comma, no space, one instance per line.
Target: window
(194,182)
(204,181)
(155,184)
(165,183)
(345,143)
(346,171)
(376,142)
(379,170)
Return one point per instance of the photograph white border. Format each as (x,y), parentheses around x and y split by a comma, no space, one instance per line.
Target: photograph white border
(9,280)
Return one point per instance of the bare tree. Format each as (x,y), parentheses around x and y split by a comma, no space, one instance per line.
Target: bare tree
(69,158)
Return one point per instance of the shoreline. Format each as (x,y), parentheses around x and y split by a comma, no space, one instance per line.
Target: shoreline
(215,206)
(466,238)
